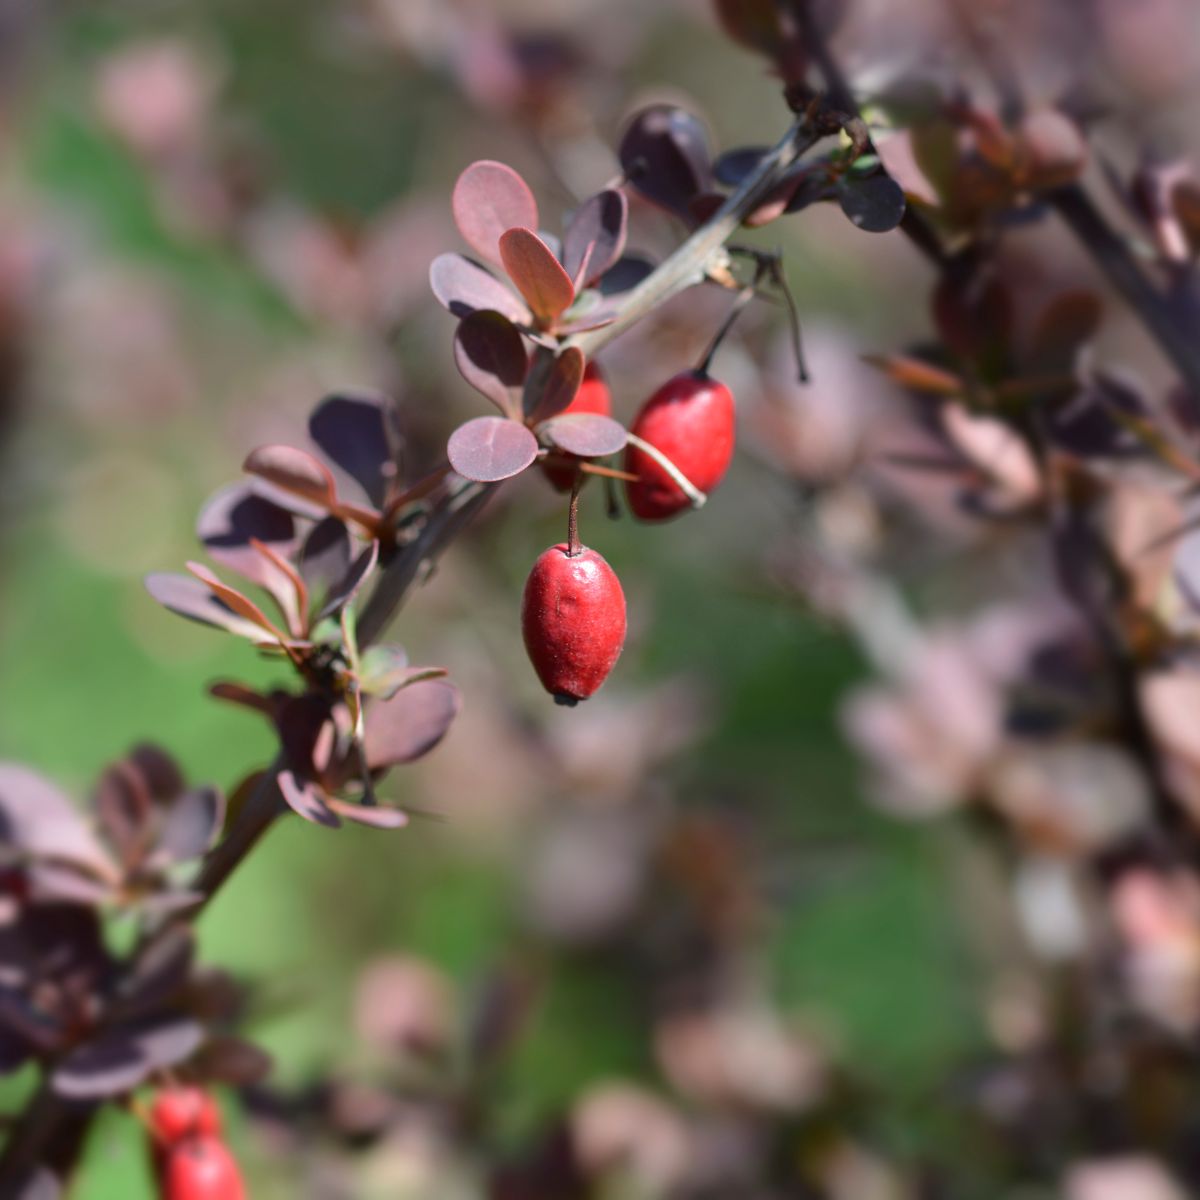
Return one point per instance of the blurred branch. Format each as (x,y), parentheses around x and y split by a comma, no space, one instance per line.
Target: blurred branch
(690,263)
(1121,269)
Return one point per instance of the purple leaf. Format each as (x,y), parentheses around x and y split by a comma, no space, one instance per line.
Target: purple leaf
(588,435)
(553,383)
(190,598)
(624,275)
(38,820)
(490,355)
(42,1184)
(325,555)
(489,449)
(377,816)
(536,273)
(160,970)
(235,515)
(732,167)
(666,156)
(489,198)
(462,287)
(344,591)
(875,204)
(306,799)
(119,1061)
(233,599)
(598,226)
(191,824)
(294,471)
(410,724)
(232,1060)
(353,433)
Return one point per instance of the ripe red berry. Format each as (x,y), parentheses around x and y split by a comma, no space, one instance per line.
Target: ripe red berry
(691,420)
(573,620)
(201,1168)
(181,1112)
(593,397)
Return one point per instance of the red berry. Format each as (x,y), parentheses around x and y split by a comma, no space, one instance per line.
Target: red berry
(180,1112)
(573,619)
(691,420)
(593,397)
(201,1168)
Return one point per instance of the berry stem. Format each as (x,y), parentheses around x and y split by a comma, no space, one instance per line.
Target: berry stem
(574,546)
(685,485)
(742,299)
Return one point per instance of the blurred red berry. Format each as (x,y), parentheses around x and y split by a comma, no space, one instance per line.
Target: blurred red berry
(201,1168)
(593,397)
(181,1112)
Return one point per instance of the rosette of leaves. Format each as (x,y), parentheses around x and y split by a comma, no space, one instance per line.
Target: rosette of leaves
(130,851)
(102,1026)
(289,533)
(490,353)
(557,288)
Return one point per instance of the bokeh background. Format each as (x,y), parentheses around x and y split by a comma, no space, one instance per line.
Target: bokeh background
(213,215)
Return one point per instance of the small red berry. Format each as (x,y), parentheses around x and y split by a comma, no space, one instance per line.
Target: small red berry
(180,1112)
(593,397)
(691,420)
(201,1168)
(573,620)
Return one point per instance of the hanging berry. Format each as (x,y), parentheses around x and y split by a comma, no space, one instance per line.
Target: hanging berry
(689,422)
(201,1168)
(573,621)
(181,1112)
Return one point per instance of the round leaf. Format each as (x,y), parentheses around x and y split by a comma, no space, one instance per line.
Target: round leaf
(665,153)
(875,205)
(352,431)
(489,198)
(588,435)
(489,449)
(410,724)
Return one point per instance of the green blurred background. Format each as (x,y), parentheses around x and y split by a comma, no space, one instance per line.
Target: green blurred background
(165,333)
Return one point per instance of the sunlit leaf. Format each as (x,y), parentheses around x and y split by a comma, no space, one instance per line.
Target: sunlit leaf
(588,435)
(536,273)
(490,197)
(489,449)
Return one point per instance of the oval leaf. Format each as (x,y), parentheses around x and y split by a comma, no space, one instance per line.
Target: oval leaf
(410,724)
(306,800)
(489,198)
(665,154)
(190,598)
(537,274)
(875,205)
(588,435)
(294,471)
(377,816)
(490,355)
(595,236)
(489,449)
(353,433)
(461,287)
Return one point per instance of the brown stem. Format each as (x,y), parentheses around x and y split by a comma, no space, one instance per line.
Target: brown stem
(574,548)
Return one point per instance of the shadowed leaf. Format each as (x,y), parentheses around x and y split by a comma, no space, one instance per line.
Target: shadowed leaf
(665,154)
(232,1060)
(490,355)
(874,205)
(352,431)
(536,273)
(624,275)
(734,165)
(306,799)
(325,556)
(490,197)
(192,824)
(463,287)
(554,381)
(595,236)
(410,724)
(489,449)
(346,588)
(234,516)
(233,599)
(121,1060)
